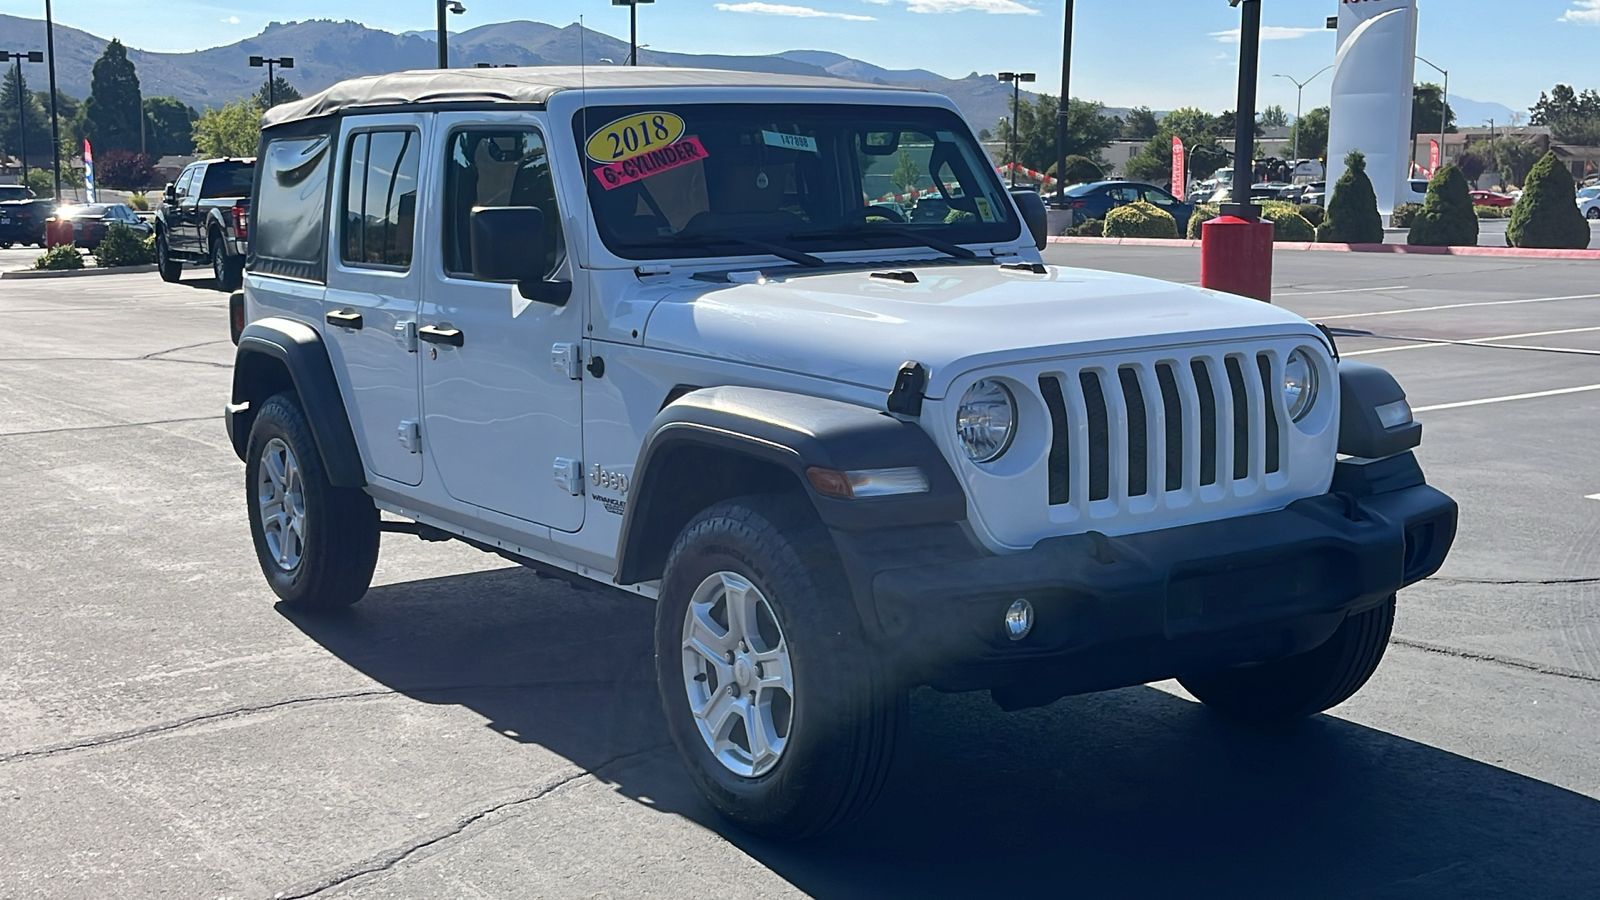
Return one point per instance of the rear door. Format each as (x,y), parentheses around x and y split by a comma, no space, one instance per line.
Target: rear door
(374,278)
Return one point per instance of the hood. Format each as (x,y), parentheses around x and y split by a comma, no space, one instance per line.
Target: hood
(853,327)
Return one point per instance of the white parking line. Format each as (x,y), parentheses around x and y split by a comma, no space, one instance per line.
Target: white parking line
(1417,309)
(1482,340)
(1507,399)
(1592,497)
(1397,287)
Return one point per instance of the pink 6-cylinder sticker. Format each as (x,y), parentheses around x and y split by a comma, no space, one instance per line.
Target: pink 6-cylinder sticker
(651,162)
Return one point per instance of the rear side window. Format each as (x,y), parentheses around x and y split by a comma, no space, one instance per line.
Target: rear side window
(379,208)
(288,234)
(227,179)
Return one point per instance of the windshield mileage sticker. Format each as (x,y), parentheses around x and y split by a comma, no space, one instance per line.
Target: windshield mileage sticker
(985,211)
(790,141)
(685,151)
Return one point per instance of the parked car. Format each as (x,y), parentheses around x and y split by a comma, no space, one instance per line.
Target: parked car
(204,217)
(1259,193)
(22,221)
(1316,193)
(841,458)
(930,209)
(1416,191)
(90,221)
(1095,199)
(10,192)
(1491,198)
(1590,206)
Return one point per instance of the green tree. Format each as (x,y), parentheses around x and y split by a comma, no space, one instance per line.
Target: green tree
(1573,118)
(1447,218)
(169,127)
(1353,209)
(1427,106)
(1088,131)
(282,91)
(1547,216)
(233,130)
(1140,125)
(1081,169)
(907,173)
(1274,117)
(1312,130)
(1472,166)
(111,114)
(36,119)
(1512,157)
(1204,154)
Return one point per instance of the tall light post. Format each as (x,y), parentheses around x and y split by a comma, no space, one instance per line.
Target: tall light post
(33,56)
(282,62)
(1444,105)
(455,8)
(633,27)
(1016,79)
(55,127)
(1299,96)
(1062,112)
(1245,112)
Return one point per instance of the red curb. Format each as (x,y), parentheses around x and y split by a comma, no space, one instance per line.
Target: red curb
(1511,252)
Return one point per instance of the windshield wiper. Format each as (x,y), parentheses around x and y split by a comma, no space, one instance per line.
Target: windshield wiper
(714,240)
(865,230)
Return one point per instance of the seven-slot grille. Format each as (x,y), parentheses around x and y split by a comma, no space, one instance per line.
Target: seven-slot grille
(1204,426)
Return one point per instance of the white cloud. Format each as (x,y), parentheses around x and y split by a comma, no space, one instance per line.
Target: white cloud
(1586,12)
(231,20)
(784,9)
(992,7)
(1276,33)
(880,2)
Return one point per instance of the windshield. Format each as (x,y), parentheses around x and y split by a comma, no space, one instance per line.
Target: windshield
(14,192)
(686,180)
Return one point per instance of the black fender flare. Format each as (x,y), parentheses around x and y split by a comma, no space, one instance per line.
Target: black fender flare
(1364,390)
(791,432)
(268,346)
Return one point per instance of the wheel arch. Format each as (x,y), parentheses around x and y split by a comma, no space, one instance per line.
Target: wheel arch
(714,444)
(277,355)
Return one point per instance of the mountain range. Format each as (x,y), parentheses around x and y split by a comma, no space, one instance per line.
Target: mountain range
(326,51)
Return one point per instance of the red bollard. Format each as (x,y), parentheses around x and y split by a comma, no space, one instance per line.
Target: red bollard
(57,232)
(1236,257)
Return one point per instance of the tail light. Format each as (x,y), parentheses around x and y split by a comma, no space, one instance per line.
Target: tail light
(241,222)
(1077,204)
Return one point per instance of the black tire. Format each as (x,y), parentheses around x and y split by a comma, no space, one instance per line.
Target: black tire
(845,712)
(338,548)
(1593,214)
(1305,684)
(229,270)
(5,245)
(171,269)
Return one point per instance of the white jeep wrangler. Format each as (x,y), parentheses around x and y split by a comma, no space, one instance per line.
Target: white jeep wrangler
(683,332)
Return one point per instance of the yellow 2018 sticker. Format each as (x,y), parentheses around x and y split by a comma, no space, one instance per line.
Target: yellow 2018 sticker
(634,135)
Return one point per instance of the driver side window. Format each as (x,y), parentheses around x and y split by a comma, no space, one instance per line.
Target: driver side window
(496,167)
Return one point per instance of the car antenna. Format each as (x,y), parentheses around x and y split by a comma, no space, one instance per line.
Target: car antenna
(583,116)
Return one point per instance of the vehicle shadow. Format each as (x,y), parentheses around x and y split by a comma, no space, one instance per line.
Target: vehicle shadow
(1125,794)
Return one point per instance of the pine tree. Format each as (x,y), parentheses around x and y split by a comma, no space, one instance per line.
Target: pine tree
(1447,218)
(1353,209)
(36,119)
(1547,216)
(282,92)
(113,111)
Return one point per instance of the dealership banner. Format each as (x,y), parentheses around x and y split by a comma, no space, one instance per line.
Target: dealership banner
(1179,169)
(88,171)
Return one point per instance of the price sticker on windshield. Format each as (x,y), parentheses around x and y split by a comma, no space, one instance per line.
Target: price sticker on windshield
(633,136)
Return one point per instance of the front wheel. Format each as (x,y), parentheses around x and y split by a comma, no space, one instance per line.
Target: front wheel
(775,700)
(1304,684)
(317,543)
(1593,214)
(171,269)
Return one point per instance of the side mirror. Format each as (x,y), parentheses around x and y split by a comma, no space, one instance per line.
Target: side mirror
(1031,205)
(171,193)
(508,246)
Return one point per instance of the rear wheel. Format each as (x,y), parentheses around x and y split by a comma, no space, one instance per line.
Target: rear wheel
(171,269)
(1593,213)
(772,694)
(1304,684)
(317,543)
(229,270)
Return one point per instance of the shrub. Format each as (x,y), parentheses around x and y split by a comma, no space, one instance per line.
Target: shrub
(1313,213)
(1404,215)
(1472,166)
(1146,220)
(1081,170)
(1087,228)
(1288,226)
(1353,209)
(1547,216)
(1492,212)
(60,258)
(1203,213)
(1447,219)
(139,201)
(123,247)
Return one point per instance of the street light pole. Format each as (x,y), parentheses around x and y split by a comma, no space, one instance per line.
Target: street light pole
(1299,98)
(1016,79)
(286,62)
(1444,106)
(633,27)
(1245,112)
(55,127)
(33,56)
(454,7)
(1062,112)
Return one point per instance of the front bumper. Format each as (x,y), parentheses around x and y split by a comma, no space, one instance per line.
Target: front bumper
(1119,611)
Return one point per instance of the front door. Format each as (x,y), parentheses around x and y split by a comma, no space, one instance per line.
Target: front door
(498,416)
(374,288)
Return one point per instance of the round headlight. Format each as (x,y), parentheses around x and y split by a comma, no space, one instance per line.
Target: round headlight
(986,420)
(1299,384)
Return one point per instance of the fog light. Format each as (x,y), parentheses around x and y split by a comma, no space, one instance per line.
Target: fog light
(1019,620)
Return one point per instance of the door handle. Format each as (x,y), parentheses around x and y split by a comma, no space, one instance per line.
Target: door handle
(345,319)
(432,335)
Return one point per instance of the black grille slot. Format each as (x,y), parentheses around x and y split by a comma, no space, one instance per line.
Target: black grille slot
(1060,441)
(1208,421)
(1241,419)
(1173,407)
(1138,433)
(1269,397)
(1099,436)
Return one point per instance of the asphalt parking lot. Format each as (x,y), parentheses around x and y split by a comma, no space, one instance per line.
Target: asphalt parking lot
(469,730)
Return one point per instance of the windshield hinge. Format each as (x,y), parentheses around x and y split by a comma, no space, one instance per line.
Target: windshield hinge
(654,270)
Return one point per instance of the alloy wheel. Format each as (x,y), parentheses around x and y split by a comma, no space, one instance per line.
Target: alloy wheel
(280,493)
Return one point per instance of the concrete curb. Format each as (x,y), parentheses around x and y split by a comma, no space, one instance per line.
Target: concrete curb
(1511,252)
(86,270)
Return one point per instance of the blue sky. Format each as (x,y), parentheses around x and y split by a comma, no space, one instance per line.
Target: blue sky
(1160,53)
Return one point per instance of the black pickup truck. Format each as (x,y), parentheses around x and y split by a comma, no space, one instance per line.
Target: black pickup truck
(22,216)
(204,217)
